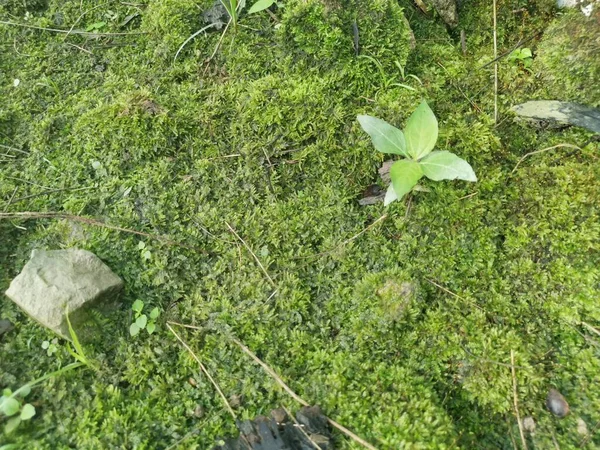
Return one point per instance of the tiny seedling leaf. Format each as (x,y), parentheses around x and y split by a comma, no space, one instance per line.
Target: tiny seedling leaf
(10,406)
(137,306)
(154,313)
(260,5)
(386,138)
(141,245)
(150,327)
(405,174)
(134,329)
(45,345)
(390,195)
(421,131)
(12,424)
(27,412)
(446,166)
(141,321)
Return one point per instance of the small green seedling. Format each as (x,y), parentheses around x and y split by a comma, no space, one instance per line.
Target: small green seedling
(523,56)
(145,253)
(96,26)
(415,144)
(12,404)
(141,320)
(51,347)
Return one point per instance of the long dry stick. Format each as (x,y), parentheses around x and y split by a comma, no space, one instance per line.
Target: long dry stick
(57,215)
(301,428)
(281,383)
(253,254)
(455,295)
(295,396)
(495,68)
(543,150)
(214,383)
(591,328)
(81,17)
(516,403)
(56,30)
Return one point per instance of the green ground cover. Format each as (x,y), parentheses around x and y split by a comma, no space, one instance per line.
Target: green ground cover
(264,138)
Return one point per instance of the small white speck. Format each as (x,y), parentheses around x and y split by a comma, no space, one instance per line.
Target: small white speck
(16,82)
(587,10)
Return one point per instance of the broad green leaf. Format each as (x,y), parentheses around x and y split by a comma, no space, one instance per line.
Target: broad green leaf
(137,306)
(154,313)
(134,329)
(446,166)
(260,5)
(421,131)
(6,392)
(10,406)
(390,195)
(141,321)
(27,412)
(405,174)
(386,138)
(150,327)
(12,424)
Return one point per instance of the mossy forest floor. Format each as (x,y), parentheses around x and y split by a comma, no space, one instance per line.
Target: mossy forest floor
(264,138)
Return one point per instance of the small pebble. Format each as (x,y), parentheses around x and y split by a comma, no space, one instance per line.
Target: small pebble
(529,424)
(199,411)
(557,404)
(582,428)
(192,382)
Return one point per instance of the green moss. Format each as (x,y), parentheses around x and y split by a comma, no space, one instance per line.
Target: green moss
(264,138)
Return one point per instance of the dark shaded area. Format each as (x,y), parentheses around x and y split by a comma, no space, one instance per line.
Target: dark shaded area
(308,432)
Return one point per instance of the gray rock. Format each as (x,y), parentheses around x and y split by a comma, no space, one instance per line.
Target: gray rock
(557,404)
(56,280)
(447,11)
(5,326)
(566,113)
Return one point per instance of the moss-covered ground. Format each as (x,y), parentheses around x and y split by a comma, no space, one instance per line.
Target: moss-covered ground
(264,138)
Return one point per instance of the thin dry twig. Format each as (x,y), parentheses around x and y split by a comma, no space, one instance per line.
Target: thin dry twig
(253,255)
(541,151)
(457,87)
(279,381)
(218,43)
(81,17)
(516,403)
(18,150)
(56,215)
(295,396)
(301,428)
(56,30)
(455,295)
(192,37)
(469,196)
(495,67)
(591,328)
(214,383)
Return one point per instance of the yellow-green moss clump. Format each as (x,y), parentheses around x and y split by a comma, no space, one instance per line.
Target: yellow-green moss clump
(402,330)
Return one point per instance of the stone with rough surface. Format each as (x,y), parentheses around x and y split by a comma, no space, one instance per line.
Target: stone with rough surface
(55,281)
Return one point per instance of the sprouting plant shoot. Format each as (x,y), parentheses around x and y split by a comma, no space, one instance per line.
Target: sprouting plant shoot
(416,144)
(142,321)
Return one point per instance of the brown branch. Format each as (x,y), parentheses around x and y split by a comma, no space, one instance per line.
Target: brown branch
(515,401)
(56,215)
(214,383)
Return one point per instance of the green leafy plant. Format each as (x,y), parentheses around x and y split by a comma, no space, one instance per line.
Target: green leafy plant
(388,81)
(142,321)
(523,56)
(260,5)
(51,347)
(145,253)
(416,144)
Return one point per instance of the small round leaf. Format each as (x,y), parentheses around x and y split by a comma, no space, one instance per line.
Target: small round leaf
(150,327)
(137,306)
(154,313)
(10,406)
(141,321)
(12,424)
(27,412)
(134,329)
